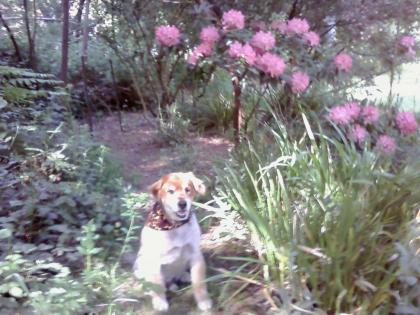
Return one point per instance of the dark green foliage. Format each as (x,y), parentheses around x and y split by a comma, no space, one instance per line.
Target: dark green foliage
(54,181)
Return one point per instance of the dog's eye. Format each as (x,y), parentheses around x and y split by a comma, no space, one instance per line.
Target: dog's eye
(171,191)
(187,189)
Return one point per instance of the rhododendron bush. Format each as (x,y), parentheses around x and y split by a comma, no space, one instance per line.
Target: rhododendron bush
(280,54)
(373,127)
(285,56)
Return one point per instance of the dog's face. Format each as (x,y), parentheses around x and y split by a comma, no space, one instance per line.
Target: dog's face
(176,191)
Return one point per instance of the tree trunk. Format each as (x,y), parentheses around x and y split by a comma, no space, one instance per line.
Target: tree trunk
(34,30)
(294,11)
(32,62)
(84,63)
(12,38)
(65,42)
(237,110)
(78,18)
(85,31)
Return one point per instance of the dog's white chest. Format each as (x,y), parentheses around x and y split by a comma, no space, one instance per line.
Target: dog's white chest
(170,251)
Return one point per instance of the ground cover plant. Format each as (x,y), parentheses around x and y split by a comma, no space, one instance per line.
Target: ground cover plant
(61,205)
(316,194)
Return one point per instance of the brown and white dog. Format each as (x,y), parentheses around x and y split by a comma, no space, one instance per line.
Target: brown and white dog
(170,239)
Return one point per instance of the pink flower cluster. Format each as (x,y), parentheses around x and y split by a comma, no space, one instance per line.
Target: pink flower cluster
(406,122)
(386,144)
(271,64)
(167,35)
(339,115)
(297,26)
(237,50)
(343,62)
(352,111)
(263,41)
(205,49)
(370,114)
(311,38)
(299,82)
(233,19)
(358,134)
(209,36)
(407,43)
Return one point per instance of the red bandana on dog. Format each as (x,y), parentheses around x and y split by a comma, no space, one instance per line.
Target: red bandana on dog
(157,220)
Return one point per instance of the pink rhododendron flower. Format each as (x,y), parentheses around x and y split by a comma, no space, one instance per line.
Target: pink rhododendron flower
(263,41)
(358,134)
(340,115)
(311,38)
(370,114)
(353,110)
(386,144)
(280,26)
(406,122)
(249,54)
(299,82)
(407,41)
(205,49)
(298,26)
(343,62)
(233,19)
(235,49)
(209,34)
(167,35)
(271,64)
(193,58)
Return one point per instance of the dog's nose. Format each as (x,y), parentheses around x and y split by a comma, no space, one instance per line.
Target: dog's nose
(182,204)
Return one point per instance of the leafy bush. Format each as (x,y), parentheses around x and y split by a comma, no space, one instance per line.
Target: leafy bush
(173,126)
(60,206)
(212,107)
(324,218)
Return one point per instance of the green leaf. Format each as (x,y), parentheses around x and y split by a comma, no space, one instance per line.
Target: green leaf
(5,233)
(16,292)
(3,102)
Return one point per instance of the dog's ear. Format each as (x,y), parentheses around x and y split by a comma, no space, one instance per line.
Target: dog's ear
(155,187)
(197,183)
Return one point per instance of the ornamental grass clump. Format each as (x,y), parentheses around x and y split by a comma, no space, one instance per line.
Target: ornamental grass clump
(324,217)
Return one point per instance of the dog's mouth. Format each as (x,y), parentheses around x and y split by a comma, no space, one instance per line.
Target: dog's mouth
(182,215)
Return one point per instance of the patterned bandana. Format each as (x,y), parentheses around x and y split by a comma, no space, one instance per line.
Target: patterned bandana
(157,220)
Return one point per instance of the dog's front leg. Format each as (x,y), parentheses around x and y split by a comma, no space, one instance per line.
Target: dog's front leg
(198,274)
(158,296)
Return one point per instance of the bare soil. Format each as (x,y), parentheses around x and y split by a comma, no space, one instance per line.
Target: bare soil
(145,156)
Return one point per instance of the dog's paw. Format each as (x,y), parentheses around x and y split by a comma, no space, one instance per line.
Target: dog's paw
(160,304)
(173,287)
(204,305)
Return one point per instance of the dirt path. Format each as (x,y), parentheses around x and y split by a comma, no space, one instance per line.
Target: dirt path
(145,156)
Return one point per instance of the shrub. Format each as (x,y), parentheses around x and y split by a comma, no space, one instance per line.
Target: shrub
(60,204)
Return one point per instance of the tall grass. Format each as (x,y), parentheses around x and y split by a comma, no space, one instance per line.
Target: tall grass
(325,218)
